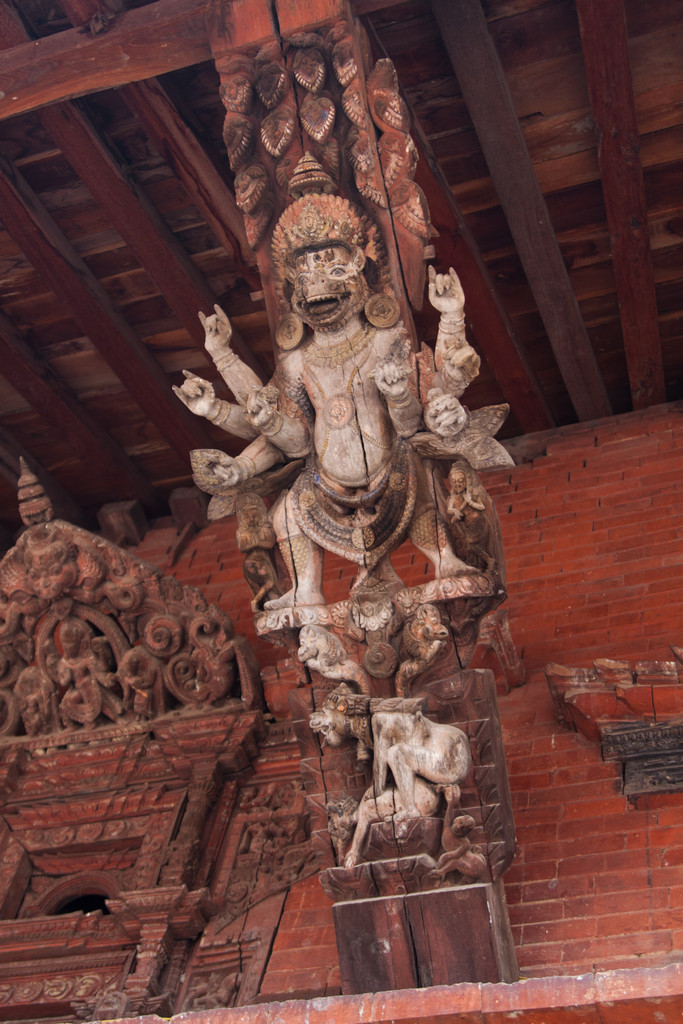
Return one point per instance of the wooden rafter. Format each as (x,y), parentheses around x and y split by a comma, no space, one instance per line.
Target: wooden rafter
(475,61)
(492,327)
(194,168)
(52,255)
(605,52)
(49,396)
(133,215)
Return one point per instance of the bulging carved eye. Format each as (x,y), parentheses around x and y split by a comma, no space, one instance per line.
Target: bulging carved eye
(343,706)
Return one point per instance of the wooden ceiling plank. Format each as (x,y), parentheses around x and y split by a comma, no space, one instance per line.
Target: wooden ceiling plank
(132,213)
(490,323)
(53,256)
(476,64)
(138,222)
(139,43)
(194,168)
(48,395)
(604,39)
(63,504)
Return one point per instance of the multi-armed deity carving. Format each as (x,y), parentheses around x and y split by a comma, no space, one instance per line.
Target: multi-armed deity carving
(359,442)
(90,635)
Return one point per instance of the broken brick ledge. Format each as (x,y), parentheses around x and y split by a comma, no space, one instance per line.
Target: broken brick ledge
(606,997)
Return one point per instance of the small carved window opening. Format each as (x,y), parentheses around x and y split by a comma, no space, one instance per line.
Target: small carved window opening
(87,902)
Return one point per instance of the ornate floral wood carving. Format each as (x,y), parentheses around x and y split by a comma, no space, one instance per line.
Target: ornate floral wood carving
(90,635)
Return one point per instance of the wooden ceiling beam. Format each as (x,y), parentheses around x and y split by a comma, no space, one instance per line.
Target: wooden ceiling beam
(604,39)
(194,168)
(492,328)
(90,306)
(465,34)
(45,392)
(137,44)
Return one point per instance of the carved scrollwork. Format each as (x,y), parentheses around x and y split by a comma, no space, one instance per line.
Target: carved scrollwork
(109,638)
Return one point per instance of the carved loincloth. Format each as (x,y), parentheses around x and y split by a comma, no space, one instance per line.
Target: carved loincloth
(362,527)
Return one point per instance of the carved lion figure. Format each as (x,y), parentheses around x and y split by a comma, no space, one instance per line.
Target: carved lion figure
(423,637)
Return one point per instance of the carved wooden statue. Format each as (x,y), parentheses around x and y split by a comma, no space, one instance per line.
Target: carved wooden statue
(359,443)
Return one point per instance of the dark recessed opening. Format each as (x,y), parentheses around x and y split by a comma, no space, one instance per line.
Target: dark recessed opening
(87,903)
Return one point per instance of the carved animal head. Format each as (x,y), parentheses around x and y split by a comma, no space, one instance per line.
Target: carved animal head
(343,715)
(427,624)
(316,642)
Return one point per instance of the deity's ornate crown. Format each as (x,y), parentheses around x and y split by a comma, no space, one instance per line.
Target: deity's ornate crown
(317,218)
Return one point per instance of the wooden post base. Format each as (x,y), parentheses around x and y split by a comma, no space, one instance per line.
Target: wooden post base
(440,937)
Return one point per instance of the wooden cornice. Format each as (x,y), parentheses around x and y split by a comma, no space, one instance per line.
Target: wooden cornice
(52,400)
(484,87)
(605,52)
(53,256)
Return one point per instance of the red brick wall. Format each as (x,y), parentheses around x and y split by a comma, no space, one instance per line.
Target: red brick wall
(593,533)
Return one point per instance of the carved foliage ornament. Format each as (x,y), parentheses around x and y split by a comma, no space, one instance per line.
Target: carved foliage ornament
(89,634)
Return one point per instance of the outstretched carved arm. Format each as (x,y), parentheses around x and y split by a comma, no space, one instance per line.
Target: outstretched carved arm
(240,378)
(200,398)
(455,358)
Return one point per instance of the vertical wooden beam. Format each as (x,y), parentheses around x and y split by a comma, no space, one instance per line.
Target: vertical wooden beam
(485,90)
(605,52)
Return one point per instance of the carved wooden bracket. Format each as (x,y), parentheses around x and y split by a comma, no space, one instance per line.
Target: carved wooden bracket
(634,712)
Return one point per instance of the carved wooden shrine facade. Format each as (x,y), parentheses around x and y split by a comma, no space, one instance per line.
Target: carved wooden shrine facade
(135,838)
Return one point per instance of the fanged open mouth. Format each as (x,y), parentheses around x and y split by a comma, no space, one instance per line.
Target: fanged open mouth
(324,303)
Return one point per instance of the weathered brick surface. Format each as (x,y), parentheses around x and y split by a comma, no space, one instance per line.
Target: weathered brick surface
(593,533)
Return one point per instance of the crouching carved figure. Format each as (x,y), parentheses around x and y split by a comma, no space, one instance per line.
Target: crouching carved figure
(415,761)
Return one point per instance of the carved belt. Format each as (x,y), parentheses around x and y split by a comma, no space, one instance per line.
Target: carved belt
(377,520)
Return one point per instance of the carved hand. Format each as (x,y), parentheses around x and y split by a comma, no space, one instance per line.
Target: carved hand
(262,410)
(197,394)
(229,471)
(391,378)
(444,414)
(217,332)
(445,292)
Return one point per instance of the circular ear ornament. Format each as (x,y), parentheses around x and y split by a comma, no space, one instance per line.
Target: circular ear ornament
(382,310)
(289,332)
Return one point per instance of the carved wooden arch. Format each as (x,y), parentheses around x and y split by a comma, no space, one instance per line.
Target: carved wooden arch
(99,883)
(92,636)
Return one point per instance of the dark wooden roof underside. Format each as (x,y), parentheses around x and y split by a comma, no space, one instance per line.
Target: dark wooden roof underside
(551,134)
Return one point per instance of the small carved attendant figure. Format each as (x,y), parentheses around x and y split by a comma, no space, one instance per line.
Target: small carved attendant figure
(468,516)
(255,537)
(423,637)
(84,670)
